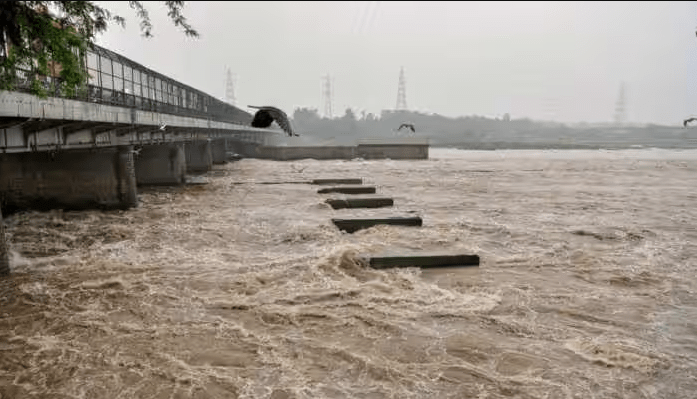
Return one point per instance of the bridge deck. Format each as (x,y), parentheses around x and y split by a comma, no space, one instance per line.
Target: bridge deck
(28,122)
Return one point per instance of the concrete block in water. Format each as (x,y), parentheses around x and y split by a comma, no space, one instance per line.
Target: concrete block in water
(337,181)
(382,261)
(348,190)
(360,203)
(353,225)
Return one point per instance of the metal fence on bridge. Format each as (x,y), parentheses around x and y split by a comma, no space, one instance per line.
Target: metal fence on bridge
(117,80)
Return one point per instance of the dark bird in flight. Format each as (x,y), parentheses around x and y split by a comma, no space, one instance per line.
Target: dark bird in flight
(267,115)
(688,120)
(409,126)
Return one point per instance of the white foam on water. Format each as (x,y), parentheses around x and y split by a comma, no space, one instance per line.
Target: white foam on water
(249,290)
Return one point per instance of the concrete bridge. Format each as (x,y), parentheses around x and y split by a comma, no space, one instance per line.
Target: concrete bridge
(128,126)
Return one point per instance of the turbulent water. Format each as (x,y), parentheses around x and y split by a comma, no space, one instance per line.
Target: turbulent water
(236,289)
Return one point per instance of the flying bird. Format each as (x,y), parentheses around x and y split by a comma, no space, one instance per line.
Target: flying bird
(409,126)
(688,120)
(267,115)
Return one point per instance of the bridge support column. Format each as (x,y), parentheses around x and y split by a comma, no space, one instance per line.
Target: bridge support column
(246,149)
(198,156)
(161,164)
(69,179)
(218,150)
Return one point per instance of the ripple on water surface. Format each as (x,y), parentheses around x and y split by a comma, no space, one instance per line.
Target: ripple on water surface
(240,289)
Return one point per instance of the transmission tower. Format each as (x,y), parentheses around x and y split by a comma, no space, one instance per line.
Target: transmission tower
(551,109)
(402,92)
(327,95)
(621,107)
(230,88)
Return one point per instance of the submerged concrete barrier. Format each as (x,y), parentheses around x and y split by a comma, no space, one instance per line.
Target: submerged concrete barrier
(315,182)
(304,152)
(353,225)
(336,181)
(348,190)
(370,149)
(383,261)
(359,203)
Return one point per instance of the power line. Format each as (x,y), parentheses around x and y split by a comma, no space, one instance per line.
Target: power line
(371,20)
(365,15)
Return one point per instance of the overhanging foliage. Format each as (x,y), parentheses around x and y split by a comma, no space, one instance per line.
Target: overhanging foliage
(43,43)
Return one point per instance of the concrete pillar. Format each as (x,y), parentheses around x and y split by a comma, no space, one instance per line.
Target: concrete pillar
(246,149)
(198,156)
(69,179)
(218,150)
(4,253)
(126,177)
(161,164)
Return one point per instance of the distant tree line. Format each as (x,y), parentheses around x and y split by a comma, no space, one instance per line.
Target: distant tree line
(478,132)
(439,127)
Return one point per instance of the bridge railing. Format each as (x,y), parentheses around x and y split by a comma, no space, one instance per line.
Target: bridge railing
(116,80)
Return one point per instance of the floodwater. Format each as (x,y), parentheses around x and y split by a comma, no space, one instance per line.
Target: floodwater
(236,289)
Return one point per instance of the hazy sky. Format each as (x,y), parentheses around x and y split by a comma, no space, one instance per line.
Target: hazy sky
(560,61)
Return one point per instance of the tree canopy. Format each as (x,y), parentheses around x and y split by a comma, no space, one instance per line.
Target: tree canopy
(48,39)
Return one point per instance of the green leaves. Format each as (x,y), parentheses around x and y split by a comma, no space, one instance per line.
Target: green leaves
(43,43)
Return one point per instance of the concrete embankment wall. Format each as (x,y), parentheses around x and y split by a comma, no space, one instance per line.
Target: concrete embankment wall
(365,151)
(314,152)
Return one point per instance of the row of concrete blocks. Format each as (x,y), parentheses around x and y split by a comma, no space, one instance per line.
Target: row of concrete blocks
(389,259)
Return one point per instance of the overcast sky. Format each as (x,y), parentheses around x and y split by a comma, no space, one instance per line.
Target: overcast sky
(562,61)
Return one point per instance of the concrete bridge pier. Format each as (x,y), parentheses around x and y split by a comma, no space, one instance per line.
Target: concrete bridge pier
(160,164)
(218,150)
(199,158)
(69,179)
(243,148)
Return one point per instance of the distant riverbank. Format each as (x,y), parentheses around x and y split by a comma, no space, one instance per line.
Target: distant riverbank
(556,146)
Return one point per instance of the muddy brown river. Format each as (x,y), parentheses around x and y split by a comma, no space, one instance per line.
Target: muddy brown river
(236,289)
